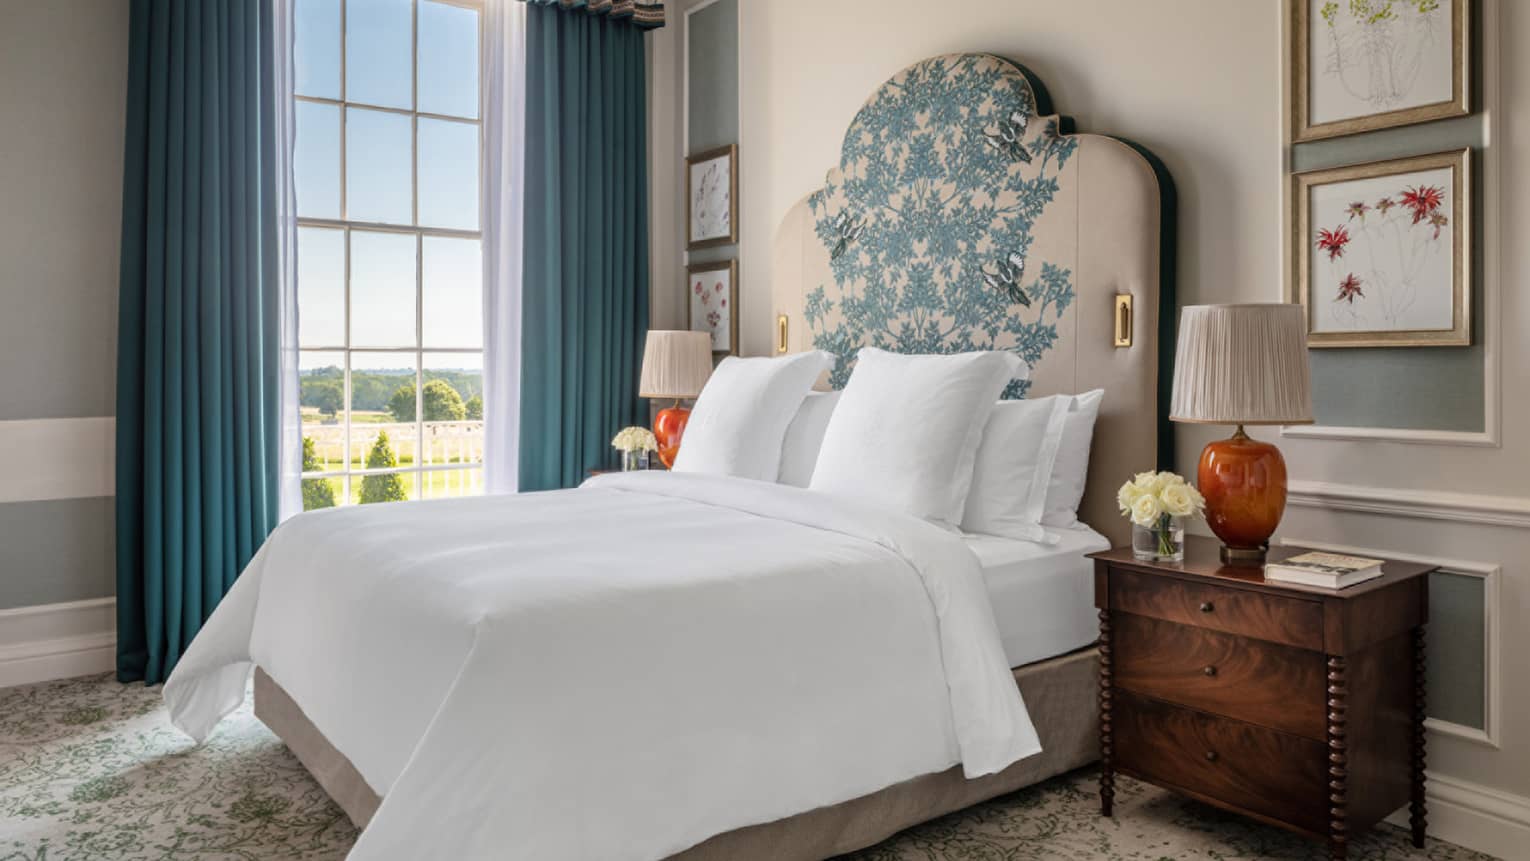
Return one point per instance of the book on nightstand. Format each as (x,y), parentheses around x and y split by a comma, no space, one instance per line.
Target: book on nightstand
(1329,570)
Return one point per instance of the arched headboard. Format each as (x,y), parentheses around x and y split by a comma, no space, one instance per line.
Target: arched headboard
(964,215)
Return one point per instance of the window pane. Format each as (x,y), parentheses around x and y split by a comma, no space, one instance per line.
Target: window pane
(378,61)
(448,61)
(317,52)
(448,174)
(383,403)
(453,407)
(445,483)
(316,160)
(321,287)
(321,398)
(387,487)
(377,162)
(453,300)
(382,289)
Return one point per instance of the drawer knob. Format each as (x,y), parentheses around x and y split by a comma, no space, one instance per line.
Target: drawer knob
(1211,756)
(1206,607)
(1210,670)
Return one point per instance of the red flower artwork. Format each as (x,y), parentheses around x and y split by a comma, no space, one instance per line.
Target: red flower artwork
(1357,208)
(1438,220)
(1349,288)
(1423,201)
(1333,241)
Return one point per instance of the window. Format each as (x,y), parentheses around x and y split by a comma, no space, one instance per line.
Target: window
(390,282)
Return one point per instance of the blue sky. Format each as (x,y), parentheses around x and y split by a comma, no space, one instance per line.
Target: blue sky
(380,150)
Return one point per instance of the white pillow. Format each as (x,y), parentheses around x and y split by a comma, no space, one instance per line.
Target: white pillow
(1014,468)
(804,437)
(906,430)
(1071,469)
(740,418)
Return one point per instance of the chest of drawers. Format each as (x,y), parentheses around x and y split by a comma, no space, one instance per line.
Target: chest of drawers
(1298,706)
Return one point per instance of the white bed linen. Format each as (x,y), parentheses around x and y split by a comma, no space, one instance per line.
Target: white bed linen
(618,671)
(1042,595)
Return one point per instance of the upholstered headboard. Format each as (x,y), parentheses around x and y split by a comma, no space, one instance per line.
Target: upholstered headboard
(964,215)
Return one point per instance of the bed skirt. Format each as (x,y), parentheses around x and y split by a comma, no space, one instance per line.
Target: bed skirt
(1059,692)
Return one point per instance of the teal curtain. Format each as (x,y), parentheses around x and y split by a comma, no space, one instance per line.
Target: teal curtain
(585,267)
(197,353)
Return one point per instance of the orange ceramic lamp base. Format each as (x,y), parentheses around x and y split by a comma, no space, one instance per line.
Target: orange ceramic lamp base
(1244,482)
(668,427)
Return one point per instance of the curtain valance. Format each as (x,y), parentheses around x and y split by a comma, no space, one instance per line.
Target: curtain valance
(644,14)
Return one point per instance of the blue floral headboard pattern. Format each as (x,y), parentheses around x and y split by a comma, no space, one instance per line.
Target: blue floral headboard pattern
(963,215)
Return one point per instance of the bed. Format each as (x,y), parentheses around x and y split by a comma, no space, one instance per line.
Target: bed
(693,667)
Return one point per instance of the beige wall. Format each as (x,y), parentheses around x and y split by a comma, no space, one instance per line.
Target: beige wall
(1200,83)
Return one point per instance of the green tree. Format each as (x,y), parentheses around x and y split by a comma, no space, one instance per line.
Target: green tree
(474,408)
(442,403)
(388,487)
(317,492)
(325,395)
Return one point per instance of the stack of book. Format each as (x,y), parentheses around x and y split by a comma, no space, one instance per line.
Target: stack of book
(1329,570)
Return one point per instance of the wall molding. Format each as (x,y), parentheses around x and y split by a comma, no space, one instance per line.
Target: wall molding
(1478,817)
(1490,158)
(57,641)
(58,458)
(1476,508)
(1492,579)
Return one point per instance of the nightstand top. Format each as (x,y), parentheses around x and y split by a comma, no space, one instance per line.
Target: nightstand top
(1203,561)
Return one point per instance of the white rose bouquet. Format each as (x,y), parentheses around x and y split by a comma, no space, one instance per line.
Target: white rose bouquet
(632,439)
(1152,499)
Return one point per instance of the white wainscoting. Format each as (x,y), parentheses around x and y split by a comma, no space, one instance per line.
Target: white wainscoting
(1477,817)
(57,641)
(1491,576)
(1475,508)
(58,458)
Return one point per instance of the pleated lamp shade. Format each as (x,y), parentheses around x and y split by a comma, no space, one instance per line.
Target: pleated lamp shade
(1242,365)
(675,364)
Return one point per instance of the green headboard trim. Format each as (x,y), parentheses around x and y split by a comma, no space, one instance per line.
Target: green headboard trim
(1168,303)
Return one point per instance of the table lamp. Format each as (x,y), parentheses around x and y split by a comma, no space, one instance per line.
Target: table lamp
(1242,365)
(676,365)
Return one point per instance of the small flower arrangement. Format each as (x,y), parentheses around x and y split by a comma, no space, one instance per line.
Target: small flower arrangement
(1154,501)
(633,439)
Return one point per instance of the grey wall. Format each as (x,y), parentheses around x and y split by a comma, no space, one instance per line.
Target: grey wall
(63,78)
(1433,388)
(713,103)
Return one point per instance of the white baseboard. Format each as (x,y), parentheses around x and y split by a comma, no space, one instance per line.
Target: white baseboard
(57,641)
(1477,817)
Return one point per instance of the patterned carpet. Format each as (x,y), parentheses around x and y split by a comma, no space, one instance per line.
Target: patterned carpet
(90,769)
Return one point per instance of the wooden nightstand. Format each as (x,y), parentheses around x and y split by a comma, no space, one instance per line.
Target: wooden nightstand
(1298,706)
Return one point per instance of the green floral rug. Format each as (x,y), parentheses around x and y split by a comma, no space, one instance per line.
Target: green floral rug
(90,769)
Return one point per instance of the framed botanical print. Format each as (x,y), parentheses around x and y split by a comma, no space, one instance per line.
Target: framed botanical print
(1383,252)
(711,198)
(1359,65)
(712,303)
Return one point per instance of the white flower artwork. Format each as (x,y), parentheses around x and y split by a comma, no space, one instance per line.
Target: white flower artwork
(711,207)
(1375,56)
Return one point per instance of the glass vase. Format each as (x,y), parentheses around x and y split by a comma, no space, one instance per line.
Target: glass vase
(1164,541)
(634,460)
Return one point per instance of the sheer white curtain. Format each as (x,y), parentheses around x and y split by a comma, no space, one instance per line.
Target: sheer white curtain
(504,139)
(284,125)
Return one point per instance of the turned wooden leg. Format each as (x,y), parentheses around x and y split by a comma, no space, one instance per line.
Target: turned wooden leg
(1416,805)
(1107,752)
(1338,760)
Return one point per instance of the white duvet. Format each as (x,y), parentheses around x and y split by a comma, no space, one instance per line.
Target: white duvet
(618,671)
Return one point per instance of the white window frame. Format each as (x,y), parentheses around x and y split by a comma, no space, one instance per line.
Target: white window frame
(346,225)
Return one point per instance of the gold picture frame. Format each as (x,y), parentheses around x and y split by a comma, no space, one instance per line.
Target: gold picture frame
(701,296)
(1303,128)
(720,158)
(1408,274)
